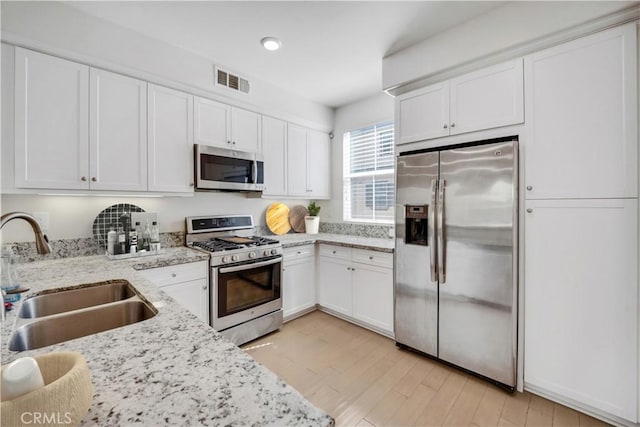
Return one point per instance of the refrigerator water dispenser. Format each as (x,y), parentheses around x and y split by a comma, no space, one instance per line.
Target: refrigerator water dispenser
(416,222)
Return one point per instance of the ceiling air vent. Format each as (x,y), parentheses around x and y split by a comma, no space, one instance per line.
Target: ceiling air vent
(231,81)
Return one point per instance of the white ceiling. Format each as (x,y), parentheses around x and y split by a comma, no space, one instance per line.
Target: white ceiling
(332,50)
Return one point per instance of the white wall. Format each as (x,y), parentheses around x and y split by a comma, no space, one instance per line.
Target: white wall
(499,29)
(368,111)
(65,31)
(72,217)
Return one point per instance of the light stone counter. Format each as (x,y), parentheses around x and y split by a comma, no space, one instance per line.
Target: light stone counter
(370,243)
(171,369)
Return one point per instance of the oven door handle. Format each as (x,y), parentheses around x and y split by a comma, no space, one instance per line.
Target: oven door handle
(249,266)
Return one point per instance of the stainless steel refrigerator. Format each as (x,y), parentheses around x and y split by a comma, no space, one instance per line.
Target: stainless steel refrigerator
(456,256)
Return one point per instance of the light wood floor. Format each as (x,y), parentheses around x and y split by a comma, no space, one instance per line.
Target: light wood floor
(362,379)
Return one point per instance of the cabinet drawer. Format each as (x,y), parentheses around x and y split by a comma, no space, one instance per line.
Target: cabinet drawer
(381,259)
(340,252)
(164,276)
(299,252)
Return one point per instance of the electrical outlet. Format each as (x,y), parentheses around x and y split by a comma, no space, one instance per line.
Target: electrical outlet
(43,220)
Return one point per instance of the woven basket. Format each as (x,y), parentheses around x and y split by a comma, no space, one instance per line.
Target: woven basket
(63,401)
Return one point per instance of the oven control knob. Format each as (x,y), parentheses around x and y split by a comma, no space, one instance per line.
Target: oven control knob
(252,254)
(267,252)
(235,258)
(226,259)
(274,252)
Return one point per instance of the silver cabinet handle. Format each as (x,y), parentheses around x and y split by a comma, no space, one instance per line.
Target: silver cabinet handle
(204,288)
(228,142)
(529,210)
(333,252)
(94,179)
(348,268)
(84,178)
(370,257)
(233,143)
(191,184)
(432,231)
(173,274)
(453,125)
(441,243)
(353,269)
(445,126)
(529,188)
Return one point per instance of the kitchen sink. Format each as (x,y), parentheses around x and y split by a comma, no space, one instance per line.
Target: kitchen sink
(62,301)
(80,323)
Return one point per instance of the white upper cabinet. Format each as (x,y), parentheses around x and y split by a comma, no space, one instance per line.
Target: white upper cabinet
(245,130)
(212,123)
(297,160)
(221,125)
(274,143)
(484,99)
(170,136)
(51,122)
(308,167)
(318,165)
(488,98)
(423,114)
(581,302)
(581,108)
(118,132)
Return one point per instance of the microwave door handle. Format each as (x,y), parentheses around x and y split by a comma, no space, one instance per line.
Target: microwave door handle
(249,266)
(255,171)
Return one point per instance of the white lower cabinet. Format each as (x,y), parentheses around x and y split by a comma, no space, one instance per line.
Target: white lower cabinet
(188,284)
(298,284)
(581,303)
(357,284)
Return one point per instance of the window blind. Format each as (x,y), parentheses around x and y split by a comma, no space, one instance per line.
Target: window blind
(368,175)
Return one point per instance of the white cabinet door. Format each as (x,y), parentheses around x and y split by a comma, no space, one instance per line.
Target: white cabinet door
(373,295)
(581,302)
(297,160)
(423,114)
(170,121)
(581,118)
(298,286)
(318,161)
(245,130)
(212,123)
(7,156)
(488,98)
(192,295)
(51,122)
(334,285)
(118,132)
(274,142)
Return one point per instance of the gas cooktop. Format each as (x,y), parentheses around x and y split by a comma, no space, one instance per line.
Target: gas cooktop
(227,243)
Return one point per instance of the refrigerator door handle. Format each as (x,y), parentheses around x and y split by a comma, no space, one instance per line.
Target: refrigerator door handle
(432,230)
(442,272)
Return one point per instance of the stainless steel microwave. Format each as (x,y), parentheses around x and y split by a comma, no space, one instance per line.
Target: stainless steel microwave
(223,169)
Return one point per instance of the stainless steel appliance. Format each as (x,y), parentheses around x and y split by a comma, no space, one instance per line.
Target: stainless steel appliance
(246,275)
(223,169)
(456,256)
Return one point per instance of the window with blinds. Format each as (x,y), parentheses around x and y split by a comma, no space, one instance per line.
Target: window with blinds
(369,188)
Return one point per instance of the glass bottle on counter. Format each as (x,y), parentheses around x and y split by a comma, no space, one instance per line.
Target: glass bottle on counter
(146,238)
(155,236)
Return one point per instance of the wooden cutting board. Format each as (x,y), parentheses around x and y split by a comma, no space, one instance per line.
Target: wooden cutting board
(278,218)
(296,218)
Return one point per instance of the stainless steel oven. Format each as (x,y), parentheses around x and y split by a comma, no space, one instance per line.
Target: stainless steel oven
(245,291)
(223,169)
(246,275)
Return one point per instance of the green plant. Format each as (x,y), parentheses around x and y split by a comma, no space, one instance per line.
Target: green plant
(313,209)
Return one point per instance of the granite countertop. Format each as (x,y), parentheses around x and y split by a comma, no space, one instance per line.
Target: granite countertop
(171,369)
(370,243)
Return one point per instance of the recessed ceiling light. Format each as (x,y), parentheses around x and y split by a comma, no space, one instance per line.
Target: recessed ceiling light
(271,43)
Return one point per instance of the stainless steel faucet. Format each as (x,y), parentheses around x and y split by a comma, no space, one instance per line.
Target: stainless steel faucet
(42,242)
